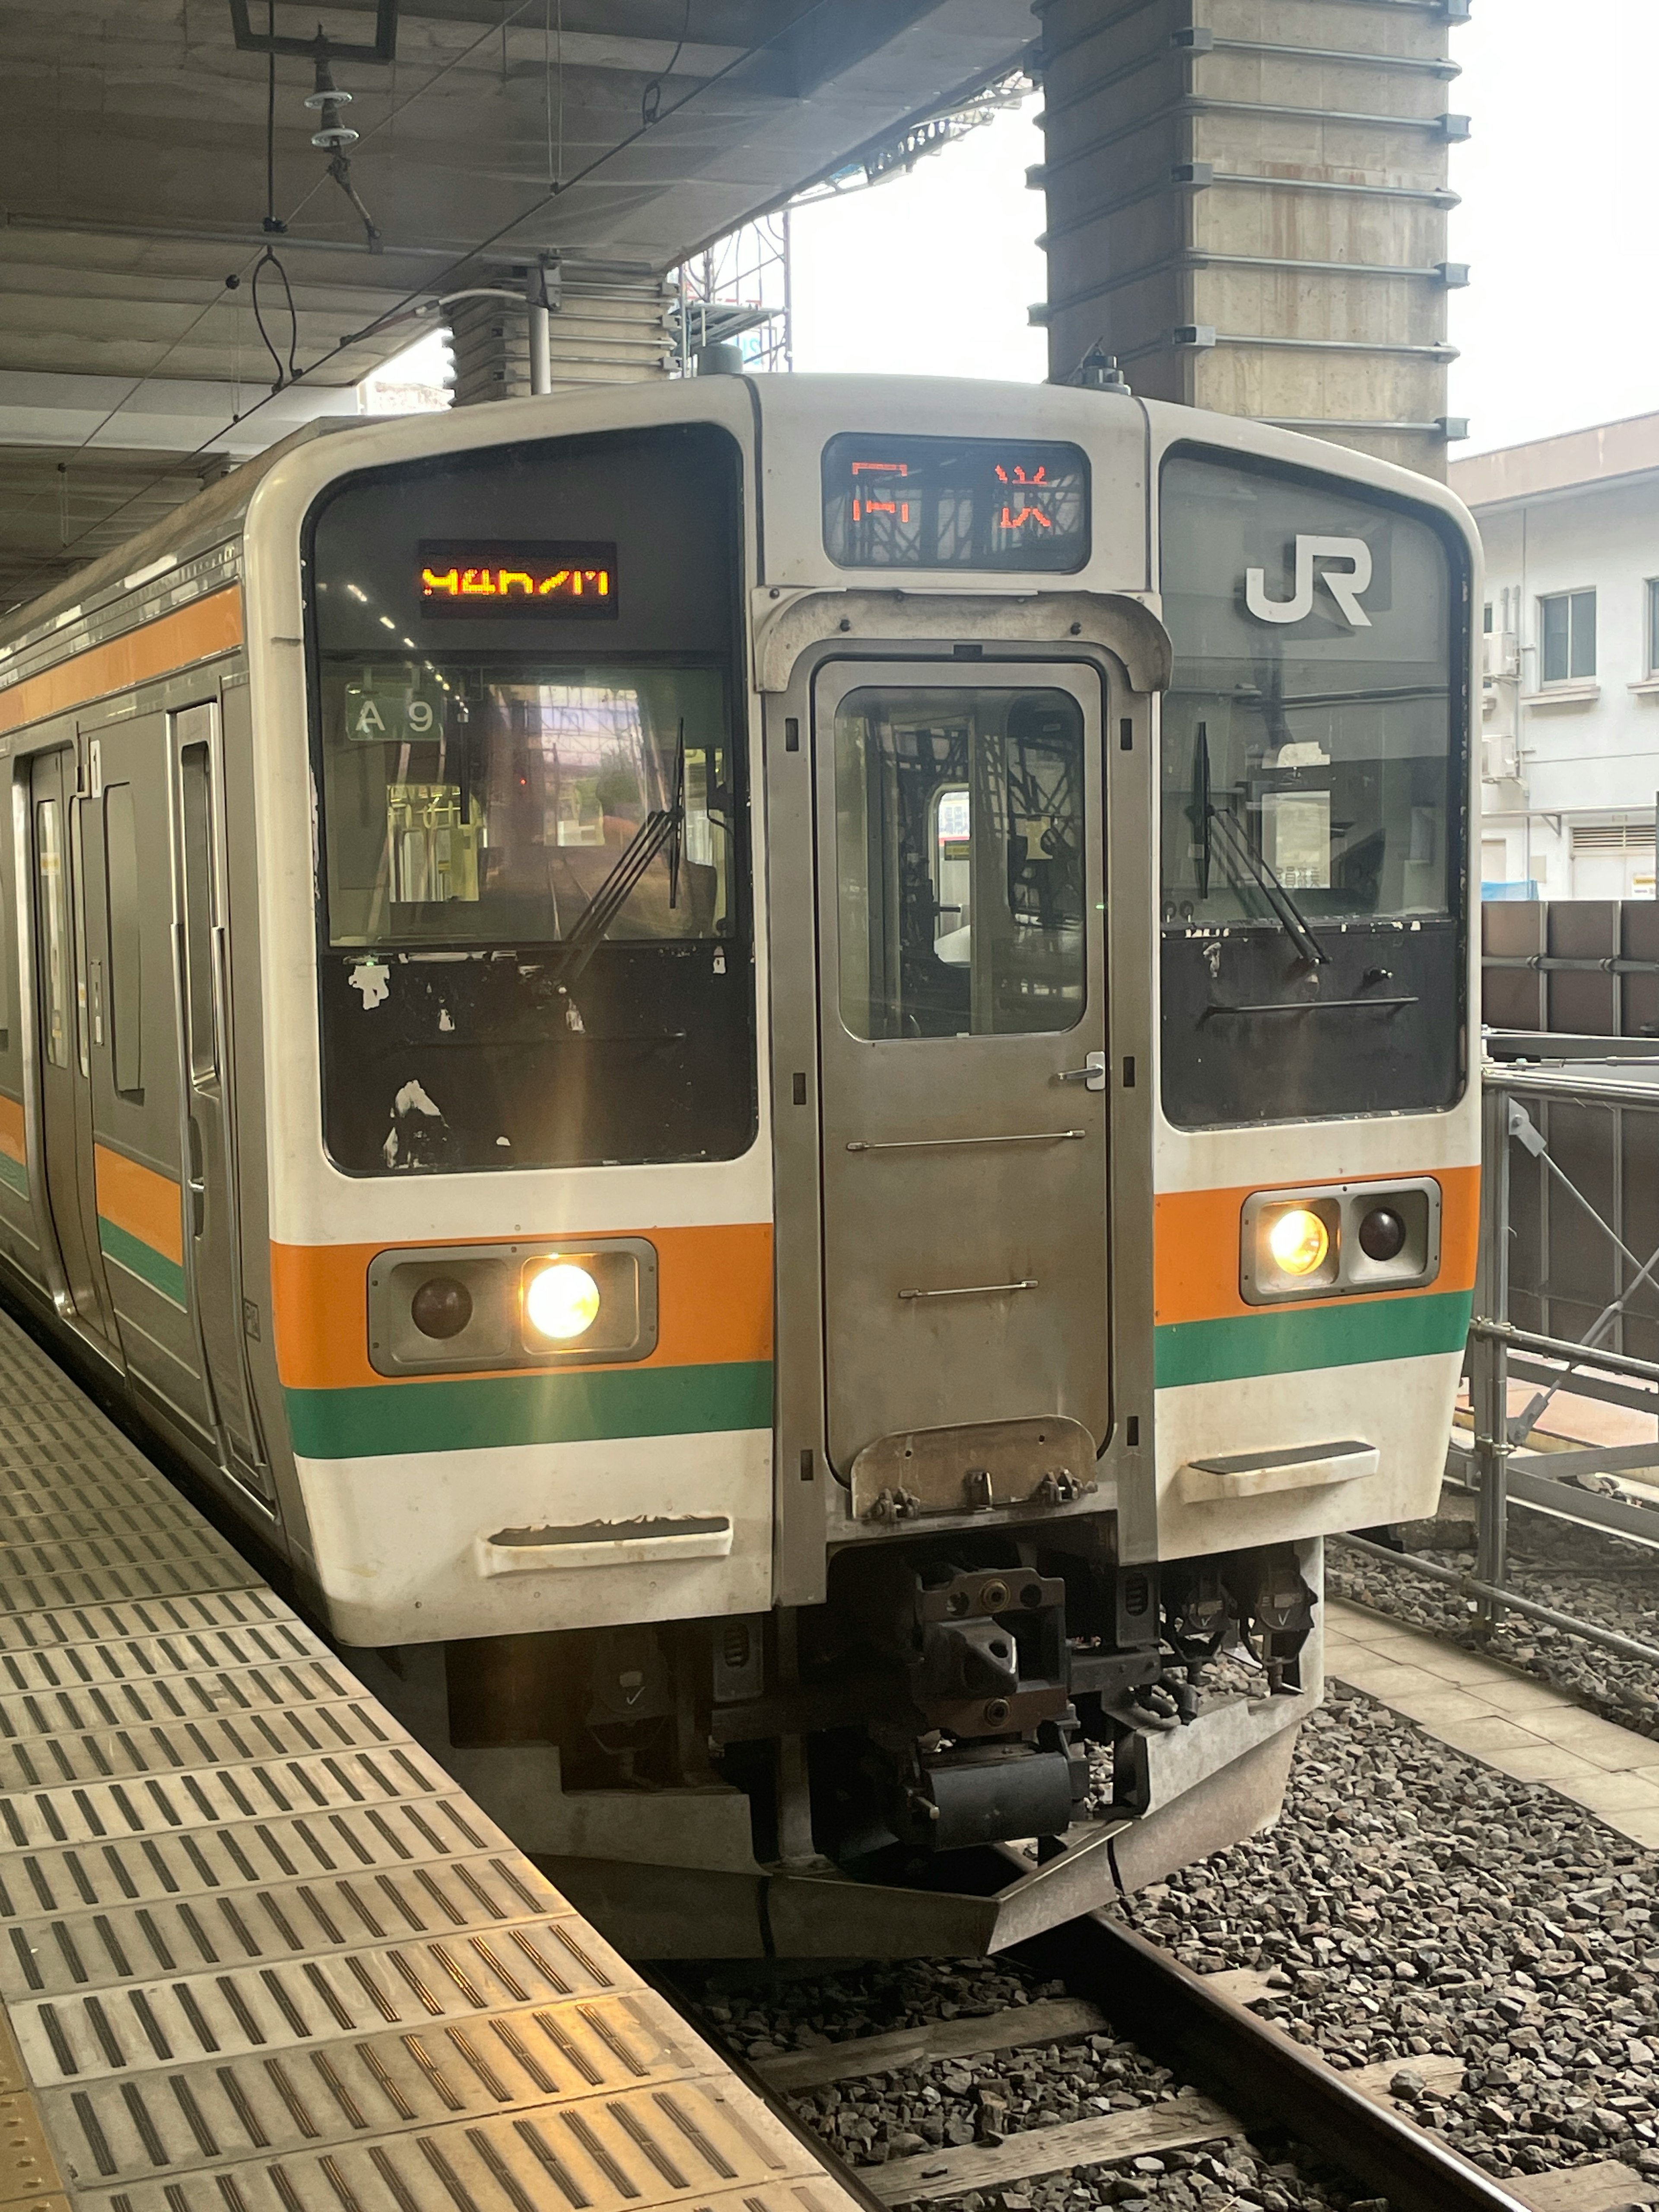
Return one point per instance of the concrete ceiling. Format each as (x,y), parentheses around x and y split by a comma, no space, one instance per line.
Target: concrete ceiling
(133,185)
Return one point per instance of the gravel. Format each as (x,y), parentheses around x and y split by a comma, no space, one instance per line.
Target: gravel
(1411,1903)
(1583,1572)
(957,2102)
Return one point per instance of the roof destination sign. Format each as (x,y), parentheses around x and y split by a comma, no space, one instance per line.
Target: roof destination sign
(494,578)
(916,502)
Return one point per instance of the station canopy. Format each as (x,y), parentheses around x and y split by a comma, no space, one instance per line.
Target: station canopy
(150,143)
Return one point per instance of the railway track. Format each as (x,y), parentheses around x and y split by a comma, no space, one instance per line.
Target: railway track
(1241,2077)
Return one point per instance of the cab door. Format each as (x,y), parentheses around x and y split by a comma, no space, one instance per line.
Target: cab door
(61,1044)
(963,1034)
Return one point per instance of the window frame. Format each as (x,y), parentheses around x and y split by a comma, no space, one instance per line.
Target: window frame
(1570,599)
(1650,629)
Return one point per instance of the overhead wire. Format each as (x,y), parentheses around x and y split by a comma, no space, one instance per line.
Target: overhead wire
(433,286)
(287,376)
(273,224)
(651,98)
(244,275)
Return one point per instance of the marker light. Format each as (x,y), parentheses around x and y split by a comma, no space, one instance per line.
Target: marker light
(1299,1242)
(561,1302)
(441,1307)
(1383,1234)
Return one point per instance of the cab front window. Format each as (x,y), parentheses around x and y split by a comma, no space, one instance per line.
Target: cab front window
(1312,833)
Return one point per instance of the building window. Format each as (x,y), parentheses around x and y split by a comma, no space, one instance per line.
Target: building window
(1486,617)
(1567,622)
(1653,626)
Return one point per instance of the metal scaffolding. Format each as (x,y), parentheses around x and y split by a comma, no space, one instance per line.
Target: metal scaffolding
(1564,1301)
(737,292)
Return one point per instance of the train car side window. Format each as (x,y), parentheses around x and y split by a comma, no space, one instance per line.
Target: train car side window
(126,980)
(195,788)
(51,860)
(960,861)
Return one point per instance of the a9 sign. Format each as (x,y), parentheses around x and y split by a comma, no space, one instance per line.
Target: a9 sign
(390,715)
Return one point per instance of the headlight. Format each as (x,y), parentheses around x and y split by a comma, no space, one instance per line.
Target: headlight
(1299,1242)
(561,1301)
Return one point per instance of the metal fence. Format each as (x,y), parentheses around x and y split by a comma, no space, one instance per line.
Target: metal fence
(1566,1299)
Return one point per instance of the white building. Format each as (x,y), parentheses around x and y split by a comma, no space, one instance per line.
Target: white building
(1571,765)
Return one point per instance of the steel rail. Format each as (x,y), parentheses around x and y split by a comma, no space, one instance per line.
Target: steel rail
(1247,2062)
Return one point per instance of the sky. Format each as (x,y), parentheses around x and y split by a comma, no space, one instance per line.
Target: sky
(1559,326)
(931,273)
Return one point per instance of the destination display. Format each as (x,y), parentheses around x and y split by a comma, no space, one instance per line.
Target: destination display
(955,503)
(491,579)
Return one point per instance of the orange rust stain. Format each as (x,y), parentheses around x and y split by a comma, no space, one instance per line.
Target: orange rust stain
(193,633)
(1195,1248)
(148,1206)
(713,1302)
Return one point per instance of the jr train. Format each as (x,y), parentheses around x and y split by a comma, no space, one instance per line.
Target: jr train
(777,1071)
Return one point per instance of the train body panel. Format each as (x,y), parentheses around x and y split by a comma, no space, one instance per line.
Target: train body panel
(778,1070)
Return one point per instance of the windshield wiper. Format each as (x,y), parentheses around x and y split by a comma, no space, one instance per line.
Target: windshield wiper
(664,828)
(1200,812)
(1289,915)
(1204,816)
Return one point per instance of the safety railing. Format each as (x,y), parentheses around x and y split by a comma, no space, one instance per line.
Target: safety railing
(1564,1301)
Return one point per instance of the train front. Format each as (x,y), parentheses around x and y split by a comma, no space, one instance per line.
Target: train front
(875,1139)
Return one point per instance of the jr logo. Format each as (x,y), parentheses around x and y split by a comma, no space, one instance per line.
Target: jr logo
(1343,585)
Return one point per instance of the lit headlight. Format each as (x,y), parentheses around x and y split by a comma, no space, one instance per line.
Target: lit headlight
(1299,1242)
(561,1301)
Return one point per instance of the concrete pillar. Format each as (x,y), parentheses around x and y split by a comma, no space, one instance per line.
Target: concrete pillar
(1246,205)
(599,331)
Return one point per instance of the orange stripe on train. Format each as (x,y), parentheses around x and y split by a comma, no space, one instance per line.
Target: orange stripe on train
(1195,1247)
(148,1206)
(713,1302)
(193,633)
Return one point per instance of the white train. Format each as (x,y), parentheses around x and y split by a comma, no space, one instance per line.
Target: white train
(777,1071)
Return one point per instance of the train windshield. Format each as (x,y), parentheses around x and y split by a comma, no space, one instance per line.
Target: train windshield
(534,934)
(1314,765)
(472,804)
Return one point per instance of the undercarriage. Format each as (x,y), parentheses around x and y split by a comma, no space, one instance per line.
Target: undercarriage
(977,1735)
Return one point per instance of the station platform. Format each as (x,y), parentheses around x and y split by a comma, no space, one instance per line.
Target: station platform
(258,1952)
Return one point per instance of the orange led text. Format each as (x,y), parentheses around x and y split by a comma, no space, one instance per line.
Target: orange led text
(514,583)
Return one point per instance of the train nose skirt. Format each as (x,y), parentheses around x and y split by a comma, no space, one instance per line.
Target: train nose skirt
(258,1953)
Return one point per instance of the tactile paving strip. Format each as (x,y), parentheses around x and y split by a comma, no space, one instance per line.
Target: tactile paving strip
(258,1953)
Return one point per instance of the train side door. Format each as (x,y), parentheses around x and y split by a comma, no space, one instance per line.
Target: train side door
(64,1074)
(962,990)
(132,1017)
(209,1125)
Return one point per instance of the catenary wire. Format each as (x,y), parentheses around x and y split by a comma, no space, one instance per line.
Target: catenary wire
(434,285)
(651,98)
(250,268)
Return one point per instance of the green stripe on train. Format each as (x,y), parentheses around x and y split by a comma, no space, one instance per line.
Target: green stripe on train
(473,1412)
(14,1174)
(1343,1333)
(142,1260)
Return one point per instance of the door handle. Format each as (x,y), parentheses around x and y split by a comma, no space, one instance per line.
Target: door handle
(1091,1075)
